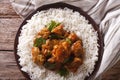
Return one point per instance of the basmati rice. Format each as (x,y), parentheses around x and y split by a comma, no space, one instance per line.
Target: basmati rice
(73,22)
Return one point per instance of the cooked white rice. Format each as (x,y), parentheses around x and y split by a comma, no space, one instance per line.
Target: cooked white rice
(73,22)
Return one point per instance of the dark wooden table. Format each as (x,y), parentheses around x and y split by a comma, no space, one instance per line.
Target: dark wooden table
(9,24)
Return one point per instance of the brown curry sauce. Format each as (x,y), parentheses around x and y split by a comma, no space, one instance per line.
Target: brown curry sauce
(58,50)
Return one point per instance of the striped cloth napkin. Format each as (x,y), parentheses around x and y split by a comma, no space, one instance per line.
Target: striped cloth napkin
(106,13)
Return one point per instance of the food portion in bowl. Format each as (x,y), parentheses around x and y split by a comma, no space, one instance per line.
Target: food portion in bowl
(58,41)
(57,50)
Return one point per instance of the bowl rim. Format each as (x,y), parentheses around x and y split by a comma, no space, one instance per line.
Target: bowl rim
(74,8)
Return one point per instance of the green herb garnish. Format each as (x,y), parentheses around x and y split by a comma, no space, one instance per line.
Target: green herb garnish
(68,40)
(63,71)
(52,25)
(48,55)
(49,65)
(39,42)
(68,60)
(55,36)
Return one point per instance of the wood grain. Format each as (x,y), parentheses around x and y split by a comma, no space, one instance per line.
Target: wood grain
(6,9)
(113,73)
(9,24)
(8,29)
(8,67)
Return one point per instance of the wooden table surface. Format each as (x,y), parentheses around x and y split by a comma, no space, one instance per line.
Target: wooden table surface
(9,24)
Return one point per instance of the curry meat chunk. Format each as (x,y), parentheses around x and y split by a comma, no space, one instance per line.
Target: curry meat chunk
(73,37)
(44,33)
(35,53)
(45,49)
(48,46)
(74,65)
(51,43)
(77,48)
(61,52)
(36,56)
(58,30)
(51,60)
(66,34)
(40,59)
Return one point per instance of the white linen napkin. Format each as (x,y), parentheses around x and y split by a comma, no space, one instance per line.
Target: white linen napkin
(106,13)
